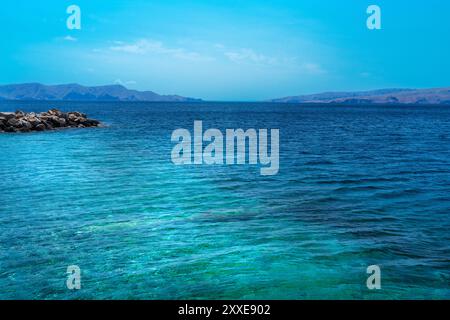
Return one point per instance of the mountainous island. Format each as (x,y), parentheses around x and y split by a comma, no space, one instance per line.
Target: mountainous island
(437,96)
(76,92)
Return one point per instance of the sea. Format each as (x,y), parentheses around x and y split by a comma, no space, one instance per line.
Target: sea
(357,186)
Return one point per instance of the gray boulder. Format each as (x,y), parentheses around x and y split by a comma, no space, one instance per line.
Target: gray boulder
(20,121)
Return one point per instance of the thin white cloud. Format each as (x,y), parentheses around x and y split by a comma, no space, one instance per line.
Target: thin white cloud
(313,68)
(146,46)
(248,55)
(123,83)
(70,38)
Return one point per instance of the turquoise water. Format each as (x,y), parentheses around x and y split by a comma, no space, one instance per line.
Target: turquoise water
(357,186)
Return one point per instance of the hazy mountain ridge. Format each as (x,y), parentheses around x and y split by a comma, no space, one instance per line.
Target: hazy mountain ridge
(76,92)
(383,96)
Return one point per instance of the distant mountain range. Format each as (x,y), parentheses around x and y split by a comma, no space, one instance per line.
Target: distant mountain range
(76,92)
(384,96)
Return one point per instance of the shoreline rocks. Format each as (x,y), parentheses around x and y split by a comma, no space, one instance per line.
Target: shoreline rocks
(20,121)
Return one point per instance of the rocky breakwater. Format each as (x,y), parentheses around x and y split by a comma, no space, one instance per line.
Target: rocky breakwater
(20,121)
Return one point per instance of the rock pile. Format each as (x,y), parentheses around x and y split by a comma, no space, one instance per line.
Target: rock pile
(20,121)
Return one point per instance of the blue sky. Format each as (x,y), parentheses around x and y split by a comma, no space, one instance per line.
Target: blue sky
(227,50)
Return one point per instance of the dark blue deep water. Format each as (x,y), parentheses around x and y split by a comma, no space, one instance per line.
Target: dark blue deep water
(357,186)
